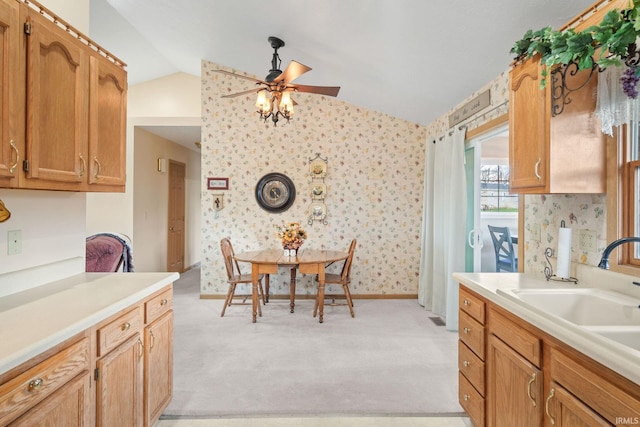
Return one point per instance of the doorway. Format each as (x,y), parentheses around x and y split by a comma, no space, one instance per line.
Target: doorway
(176,209)
(489,201)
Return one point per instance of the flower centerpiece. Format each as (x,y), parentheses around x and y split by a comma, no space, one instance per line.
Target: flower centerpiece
(292,236)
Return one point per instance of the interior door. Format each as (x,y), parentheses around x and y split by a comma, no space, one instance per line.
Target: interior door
(175,232)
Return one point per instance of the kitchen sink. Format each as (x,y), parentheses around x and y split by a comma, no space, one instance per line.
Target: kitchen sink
(581,306)
(625,335)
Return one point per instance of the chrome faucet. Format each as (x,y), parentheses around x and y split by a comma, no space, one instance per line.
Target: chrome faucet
(604,261)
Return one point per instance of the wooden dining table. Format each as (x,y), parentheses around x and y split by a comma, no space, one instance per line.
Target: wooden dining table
(307,261)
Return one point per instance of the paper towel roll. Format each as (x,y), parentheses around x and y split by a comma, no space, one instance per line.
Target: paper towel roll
(564,253)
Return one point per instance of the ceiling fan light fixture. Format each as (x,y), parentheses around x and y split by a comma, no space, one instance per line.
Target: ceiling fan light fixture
(286,104)
(263,103)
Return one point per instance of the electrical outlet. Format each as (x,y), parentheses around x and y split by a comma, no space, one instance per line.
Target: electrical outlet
(534,232)
(14,242)
(587,240)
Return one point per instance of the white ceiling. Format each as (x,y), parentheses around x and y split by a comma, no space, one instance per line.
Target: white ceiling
(413,59)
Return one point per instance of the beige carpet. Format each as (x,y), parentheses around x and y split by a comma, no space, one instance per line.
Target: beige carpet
(391,360)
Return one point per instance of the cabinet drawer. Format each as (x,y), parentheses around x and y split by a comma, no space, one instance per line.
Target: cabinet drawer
(600,389)
(471,401)
(471,367)
(158,305)
(118,330)
(522,341)
(39,382)
(472,334)
(472,305)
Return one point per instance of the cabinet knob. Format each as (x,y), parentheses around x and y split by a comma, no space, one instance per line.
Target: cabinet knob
(466,397)
(466,330)
(95,160)
(35,384)
(466,363)
(163,302)
(84,166)
(467,302)
(126,326)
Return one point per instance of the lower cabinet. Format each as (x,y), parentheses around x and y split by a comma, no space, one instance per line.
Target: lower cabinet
(119,385)
(119,372)
(70,406)
(530,378)
(158,367)
(565,410)
(515,387)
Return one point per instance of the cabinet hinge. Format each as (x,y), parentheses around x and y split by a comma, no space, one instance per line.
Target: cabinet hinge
(27,28)
(96,374)
(25,165)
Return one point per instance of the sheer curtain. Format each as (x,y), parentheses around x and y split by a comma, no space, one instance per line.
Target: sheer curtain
(443,226)
(613,107)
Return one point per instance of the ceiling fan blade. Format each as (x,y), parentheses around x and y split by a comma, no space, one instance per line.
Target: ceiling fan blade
(245,92)
(292,72)
(229,73)
(322,90)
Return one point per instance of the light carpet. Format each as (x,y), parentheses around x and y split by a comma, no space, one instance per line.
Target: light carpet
(390,360)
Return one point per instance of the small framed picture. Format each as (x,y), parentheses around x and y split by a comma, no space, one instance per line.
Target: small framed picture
(217,183)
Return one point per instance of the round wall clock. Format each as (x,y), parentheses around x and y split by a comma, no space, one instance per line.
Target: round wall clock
(275,192)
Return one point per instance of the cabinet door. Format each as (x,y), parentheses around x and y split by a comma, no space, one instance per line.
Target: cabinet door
(529,115)
(57,104)
(70,407)
(564,410)
(514,388)
(119,385)
(107,122)
(10,136)
(158,370)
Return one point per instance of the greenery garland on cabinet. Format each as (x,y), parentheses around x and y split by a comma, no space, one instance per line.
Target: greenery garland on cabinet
(610,43)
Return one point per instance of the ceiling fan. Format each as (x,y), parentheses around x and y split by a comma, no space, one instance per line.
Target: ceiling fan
(274,92)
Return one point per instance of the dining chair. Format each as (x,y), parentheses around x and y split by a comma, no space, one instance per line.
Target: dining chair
(235,277)
(506,259)
(344,279)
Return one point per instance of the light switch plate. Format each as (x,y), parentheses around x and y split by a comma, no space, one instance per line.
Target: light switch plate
(14,242)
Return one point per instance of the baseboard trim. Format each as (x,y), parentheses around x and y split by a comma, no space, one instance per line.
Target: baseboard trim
(305,296)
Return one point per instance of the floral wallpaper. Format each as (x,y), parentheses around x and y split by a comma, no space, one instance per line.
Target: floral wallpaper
(542,212)
(543,216)
(374,185)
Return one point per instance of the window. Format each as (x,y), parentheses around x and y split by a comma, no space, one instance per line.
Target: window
(631,191)
(494,189)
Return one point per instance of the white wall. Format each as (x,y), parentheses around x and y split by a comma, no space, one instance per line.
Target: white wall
(151,199)
(52,223)
(173,100)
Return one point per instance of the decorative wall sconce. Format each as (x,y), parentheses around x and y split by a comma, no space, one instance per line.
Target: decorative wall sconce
(162,165)
(318,171)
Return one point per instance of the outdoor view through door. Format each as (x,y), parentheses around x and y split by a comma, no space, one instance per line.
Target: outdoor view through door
(175,232)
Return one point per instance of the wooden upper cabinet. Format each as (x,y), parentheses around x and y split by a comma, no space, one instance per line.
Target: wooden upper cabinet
(62,105)
(11,140)
(529,114)
(57,105)
(561,153)
(107,122)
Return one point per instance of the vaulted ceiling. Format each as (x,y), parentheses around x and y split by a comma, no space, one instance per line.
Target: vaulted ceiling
(413,59)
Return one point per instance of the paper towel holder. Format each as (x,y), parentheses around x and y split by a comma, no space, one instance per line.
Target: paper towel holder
(548,270)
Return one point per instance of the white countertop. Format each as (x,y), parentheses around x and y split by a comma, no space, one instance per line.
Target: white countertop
(37,319)
(617,357)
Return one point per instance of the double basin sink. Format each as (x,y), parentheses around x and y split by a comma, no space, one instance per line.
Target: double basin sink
(608,313)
